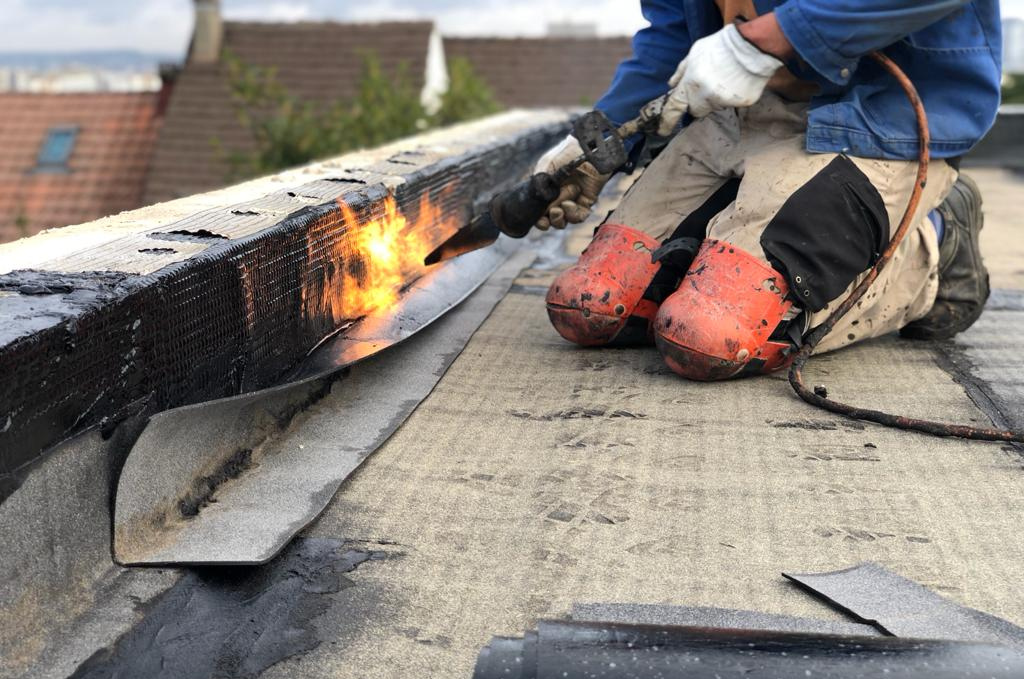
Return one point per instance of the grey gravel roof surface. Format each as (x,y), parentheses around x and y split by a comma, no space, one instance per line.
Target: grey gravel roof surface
(537,475)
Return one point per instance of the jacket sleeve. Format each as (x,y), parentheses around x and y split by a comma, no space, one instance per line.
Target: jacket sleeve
(832,35)
(657,51)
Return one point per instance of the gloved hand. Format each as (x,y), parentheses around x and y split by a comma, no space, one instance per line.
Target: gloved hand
(578,194)
(723,70)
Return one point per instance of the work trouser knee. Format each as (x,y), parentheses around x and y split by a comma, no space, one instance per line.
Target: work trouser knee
(816,228)
(772,270)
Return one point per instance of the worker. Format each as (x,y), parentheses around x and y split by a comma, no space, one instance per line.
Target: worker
(792,162)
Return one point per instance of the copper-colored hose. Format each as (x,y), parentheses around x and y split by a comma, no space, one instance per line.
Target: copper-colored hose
(819,333)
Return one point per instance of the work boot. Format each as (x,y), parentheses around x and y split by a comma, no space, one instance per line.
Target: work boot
(963,278)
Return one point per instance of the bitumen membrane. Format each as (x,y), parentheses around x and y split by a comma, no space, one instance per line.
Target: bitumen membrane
(537,475)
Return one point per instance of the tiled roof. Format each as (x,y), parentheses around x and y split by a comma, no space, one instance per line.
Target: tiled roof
(543,71)
(106,170)
(322,62)
(319,61)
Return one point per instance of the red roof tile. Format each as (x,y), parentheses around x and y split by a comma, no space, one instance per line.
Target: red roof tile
(106,170)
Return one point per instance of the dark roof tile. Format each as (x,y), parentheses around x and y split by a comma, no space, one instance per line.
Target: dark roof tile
(318,62)
(321,62)
(543,71)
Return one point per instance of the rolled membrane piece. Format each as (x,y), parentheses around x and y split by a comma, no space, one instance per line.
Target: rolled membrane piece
(588,650)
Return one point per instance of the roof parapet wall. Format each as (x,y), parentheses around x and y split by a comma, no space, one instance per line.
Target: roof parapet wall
(220,293)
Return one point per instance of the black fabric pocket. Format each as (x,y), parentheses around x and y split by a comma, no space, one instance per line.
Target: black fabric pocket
(830,231)
(693,228)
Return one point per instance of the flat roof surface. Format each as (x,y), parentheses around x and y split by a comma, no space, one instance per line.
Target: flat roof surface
(538,475)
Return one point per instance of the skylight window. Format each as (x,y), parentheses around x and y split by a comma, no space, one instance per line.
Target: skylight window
(56,149)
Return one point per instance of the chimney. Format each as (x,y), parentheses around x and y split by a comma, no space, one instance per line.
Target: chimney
(208,34)
(571,29)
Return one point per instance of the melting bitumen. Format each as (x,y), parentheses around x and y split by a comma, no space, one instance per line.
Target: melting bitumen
(973,356)
(81,348)
(232,622)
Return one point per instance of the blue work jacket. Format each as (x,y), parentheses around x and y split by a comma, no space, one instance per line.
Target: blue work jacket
(950,49)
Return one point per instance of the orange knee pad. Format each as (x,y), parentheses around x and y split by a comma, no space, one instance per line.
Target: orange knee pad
(719,323)
(600,300)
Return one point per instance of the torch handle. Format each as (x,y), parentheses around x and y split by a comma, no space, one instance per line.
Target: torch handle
(517,210)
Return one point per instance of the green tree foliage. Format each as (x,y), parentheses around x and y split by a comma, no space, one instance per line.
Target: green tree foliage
(21,222)
(289,132)
(1013,89)
(284,129)
(468,96)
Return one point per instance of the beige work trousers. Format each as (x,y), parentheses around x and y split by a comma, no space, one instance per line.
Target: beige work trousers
(764,146)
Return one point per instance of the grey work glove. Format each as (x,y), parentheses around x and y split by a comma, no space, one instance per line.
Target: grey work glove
(578,194)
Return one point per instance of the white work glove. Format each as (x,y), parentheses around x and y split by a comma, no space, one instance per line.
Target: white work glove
(723,70)
(578,194)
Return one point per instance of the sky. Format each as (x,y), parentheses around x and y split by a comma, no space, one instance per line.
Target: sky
(164,26)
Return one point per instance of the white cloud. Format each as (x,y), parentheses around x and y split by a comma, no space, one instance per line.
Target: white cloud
(162,26)
(165,25)
(1014,8)
(521,18)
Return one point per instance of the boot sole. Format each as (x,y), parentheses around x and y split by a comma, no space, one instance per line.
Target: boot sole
(929,335)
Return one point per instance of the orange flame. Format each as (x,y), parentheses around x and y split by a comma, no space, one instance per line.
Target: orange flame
(380,245)
(380,255)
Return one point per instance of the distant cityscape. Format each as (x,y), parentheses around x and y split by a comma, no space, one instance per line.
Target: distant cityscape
(120,71)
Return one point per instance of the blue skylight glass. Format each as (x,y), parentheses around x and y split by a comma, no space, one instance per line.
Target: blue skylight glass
(57,148)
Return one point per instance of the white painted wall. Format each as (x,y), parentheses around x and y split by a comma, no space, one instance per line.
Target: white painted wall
(435,77)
